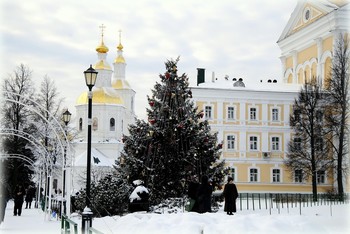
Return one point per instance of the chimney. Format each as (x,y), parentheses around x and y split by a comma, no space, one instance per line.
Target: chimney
(200,75)
(213,77)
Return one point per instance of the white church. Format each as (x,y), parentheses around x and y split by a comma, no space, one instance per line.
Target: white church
(112,112)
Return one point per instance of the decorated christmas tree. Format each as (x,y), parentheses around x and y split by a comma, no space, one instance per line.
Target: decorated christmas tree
(175,144)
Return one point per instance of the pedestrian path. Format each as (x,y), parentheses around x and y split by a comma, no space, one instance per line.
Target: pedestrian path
(31,221)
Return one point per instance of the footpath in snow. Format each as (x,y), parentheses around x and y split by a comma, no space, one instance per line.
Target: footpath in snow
(316,219)
(31,221)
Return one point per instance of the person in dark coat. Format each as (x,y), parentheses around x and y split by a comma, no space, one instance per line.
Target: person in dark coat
(4,197)
(42,199)
(19,199)
(204,195)
(230,195)
(192,194)
(29,196)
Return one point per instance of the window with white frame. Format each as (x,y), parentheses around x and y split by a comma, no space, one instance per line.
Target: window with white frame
(276,175)
(253,175)
(208,112)
(252,113)
(230,142)
(298,176)
(321,177)
(297,143)
(253,143)
(275,143)
(233,173)
(230,113)
(275,114)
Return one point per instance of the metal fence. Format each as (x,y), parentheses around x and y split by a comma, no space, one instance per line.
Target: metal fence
(253,201)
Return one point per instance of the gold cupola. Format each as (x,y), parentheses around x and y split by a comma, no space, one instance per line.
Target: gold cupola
(101,96)
(120,58)
(102,50)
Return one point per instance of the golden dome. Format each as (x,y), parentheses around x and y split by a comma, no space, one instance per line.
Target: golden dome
(102,48)
(120,84)
(102,65)
(119,59)
(120,46)
(100,96)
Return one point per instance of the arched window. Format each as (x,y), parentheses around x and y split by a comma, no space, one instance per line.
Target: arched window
(112,124)
(327,71)
(95,124)
(80,124)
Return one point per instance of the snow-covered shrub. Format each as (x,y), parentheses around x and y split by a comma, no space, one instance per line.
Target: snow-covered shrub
(109,196)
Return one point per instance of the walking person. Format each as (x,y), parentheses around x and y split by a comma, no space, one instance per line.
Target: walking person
(29,196)
(19,199)
(204,195)
(230,195)
(42,199)
(4,197)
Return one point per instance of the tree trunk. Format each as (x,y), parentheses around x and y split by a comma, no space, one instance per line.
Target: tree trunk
(314,182)
(340,160)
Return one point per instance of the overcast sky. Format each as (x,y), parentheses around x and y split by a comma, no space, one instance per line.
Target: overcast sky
(58,38)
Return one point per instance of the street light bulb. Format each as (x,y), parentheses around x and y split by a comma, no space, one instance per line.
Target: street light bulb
(90,77)
(66,116)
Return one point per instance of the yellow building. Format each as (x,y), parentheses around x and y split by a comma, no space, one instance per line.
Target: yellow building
(252,119)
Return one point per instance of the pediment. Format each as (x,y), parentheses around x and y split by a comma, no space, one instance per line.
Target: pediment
(306,13)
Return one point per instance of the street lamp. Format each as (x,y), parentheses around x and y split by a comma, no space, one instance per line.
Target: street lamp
(66,118)
(90,79)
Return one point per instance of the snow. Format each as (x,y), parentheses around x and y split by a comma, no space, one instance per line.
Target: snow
(316,219)
(138,190)
(102,160)
(253,86)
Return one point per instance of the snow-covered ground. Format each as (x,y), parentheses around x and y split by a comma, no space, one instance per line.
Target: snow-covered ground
(316,219)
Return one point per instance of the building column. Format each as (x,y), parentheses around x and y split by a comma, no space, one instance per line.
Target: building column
(319,57)
(295,64)
(283,62)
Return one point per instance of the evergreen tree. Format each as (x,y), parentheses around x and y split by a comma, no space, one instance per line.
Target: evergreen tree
(174,144)
(109,196)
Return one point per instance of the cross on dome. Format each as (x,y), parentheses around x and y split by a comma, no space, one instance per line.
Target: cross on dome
(102,48)
(120,46)
(102,27)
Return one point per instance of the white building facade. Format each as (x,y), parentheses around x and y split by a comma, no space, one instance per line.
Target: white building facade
(252,118)
(112,112)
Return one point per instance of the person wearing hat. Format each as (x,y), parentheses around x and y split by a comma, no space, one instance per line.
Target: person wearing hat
(230,195)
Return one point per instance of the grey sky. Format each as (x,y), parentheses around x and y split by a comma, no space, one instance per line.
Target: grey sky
(58,38)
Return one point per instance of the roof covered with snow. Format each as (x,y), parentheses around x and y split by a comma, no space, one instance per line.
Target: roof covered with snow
(97,159)
(241,84)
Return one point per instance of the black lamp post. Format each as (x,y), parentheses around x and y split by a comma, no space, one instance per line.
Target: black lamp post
(90,79)
(66,118)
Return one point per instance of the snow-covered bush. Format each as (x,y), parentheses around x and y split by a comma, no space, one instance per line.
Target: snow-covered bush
(109,196)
